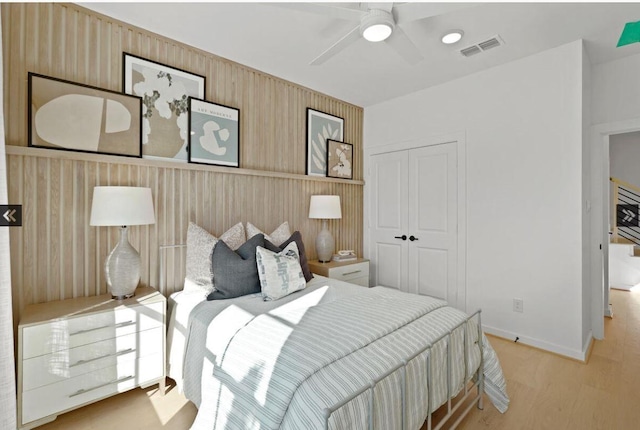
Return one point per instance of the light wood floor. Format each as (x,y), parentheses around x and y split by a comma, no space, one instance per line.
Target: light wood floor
(547,391)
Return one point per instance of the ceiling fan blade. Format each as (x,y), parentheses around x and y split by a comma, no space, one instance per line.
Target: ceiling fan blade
(345,41)
(381,6)
(404,46)
(326,9)
(407,12)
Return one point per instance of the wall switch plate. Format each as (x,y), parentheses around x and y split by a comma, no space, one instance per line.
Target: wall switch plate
(518,305)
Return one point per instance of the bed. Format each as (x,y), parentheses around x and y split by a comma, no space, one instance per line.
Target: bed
(332,355)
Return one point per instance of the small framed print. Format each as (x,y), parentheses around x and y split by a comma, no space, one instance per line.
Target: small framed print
(320,127)
(339,159)
(77,117)
(214,133)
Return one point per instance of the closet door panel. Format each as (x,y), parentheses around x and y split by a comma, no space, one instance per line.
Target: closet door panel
(389,219)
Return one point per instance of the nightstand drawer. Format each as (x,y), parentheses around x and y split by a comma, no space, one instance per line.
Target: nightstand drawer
(350,272)
(71,363)
(54,398)
(62,334)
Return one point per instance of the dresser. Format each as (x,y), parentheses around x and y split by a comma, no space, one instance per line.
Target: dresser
(78,351)
(353,271)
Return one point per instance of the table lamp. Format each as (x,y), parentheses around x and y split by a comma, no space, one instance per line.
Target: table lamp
(123,206)
(325,208)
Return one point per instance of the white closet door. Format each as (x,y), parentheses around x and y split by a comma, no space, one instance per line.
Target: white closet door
(432,221)
(388,219)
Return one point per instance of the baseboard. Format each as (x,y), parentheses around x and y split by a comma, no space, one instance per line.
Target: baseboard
(579,355)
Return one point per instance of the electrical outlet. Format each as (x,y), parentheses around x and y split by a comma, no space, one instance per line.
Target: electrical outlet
(518,305)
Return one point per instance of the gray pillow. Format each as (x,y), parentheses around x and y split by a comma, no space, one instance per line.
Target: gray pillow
(297,238)
(235,272)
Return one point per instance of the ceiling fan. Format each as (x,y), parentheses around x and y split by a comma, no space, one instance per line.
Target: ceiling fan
(377,22)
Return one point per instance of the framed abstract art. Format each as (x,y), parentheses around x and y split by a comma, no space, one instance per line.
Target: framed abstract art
(71,116)
(321,127)
(165,93)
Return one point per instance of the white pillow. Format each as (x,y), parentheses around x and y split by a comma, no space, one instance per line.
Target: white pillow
(280,273)
(200,244)
(278,236)
(199,277)
(235,236)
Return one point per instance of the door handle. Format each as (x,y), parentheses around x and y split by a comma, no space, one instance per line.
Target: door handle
(403,237)
(412,238)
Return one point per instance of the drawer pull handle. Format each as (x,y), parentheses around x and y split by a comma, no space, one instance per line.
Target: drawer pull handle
(117,354)
(115,381)
(351,273)
(119,325)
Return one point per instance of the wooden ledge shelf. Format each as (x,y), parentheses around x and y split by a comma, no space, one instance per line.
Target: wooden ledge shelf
(73,155)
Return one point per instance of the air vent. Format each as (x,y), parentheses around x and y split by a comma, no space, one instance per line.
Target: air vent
(485,45)
(471,50)
(488,44)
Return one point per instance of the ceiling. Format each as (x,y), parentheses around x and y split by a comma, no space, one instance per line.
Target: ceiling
(281,40)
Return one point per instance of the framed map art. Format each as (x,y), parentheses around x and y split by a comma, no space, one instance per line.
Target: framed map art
(165,93)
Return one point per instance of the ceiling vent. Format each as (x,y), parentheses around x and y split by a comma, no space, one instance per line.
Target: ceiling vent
(485,45)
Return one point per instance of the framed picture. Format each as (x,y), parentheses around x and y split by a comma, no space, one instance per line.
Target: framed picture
(71,116)
(339,159)
(214,133)
(165,93)
(320,127)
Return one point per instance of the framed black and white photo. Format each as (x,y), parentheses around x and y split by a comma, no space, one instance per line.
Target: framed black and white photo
(77,117)
(165,93)
(339,159)
(321,127)
(214,133)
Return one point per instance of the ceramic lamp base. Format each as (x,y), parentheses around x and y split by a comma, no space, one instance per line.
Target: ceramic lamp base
(324,244)
(122,268)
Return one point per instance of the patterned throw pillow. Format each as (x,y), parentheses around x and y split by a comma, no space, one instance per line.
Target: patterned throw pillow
(235,237)
(280,273)
(278,236)
(297,238)
(200,244)
(199,277)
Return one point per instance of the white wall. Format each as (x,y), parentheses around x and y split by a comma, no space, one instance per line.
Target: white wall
(616,90)
(587,246)
(523,127)
(624,157)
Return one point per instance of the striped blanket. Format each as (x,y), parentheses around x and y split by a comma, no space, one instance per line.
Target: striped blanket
(248,366)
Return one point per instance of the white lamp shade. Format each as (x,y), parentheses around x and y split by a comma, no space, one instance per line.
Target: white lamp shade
(325,207)
(122,206)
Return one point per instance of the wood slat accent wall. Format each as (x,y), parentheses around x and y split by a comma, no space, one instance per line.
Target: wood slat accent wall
(56,254)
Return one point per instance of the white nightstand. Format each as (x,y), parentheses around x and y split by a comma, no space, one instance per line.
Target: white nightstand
(353,271)
(78,351)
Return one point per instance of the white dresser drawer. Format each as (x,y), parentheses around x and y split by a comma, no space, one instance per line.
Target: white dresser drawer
(350,272)
(362,281)
(64,364)
(71,332)
(61,396)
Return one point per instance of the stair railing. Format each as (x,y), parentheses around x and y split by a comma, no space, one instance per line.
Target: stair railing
(625,204)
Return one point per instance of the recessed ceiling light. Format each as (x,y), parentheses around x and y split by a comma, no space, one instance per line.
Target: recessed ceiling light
(452,36)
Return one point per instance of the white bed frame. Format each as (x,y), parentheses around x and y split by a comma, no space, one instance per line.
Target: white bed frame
(473,386)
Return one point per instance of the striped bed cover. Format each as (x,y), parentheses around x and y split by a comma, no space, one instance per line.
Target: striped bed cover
(247,367)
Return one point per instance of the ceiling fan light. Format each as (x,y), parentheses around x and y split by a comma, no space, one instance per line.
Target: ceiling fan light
(452,37)
(377,32)
(376,25)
